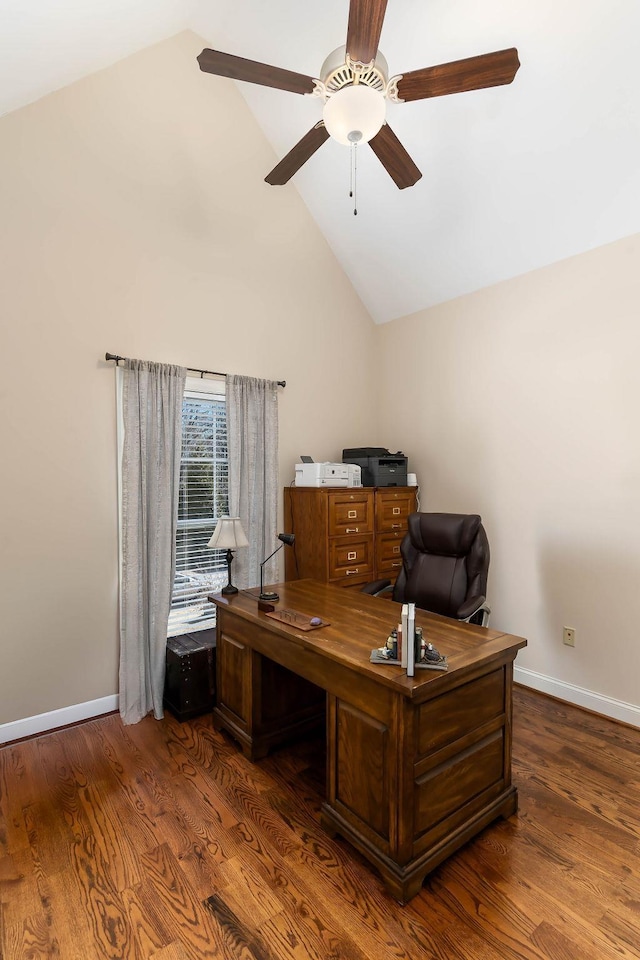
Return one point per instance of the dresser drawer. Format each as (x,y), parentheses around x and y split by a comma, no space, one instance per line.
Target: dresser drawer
(350,513)
(351,557)
(392,509)
(388,556)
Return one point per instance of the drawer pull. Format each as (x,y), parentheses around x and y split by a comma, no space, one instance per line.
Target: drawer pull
(352,514)
(396,525)
(232,642)
(396,511)
(350,573)
(352,555)
(352,530)
(395,563)
(396,549)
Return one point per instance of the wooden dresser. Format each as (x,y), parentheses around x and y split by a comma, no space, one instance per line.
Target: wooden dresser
(347,535)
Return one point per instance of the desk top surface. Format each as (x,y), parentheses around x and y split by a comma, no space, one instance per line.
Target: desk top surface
(358,623)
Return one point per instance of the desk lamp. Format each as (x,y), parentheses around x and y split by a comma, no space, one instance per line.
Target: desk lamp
(228,533)
(289,539)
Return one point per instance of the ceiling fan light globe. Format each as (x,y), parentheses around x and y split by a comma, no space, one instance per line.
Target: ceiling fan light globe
(353,110)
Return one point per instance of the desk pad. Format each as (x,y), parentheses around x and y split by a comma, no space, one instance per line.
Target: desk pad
(301,621)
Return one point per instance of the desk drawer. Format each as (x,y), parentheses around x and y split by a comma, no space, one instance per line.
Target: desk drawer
(460,713)
(351,557)
(459,787)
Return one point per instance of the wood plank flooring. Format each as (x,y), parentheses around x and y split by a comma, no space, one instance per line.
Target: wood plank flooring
(161,841)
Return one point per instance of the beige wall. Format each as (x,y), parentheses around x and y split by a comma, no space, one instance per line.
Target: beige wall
(135,220)
(522,402)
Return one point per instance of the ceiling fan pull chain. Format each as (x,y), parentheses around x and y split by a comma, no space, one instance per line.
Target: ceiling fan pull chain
(354,149)
(351,169)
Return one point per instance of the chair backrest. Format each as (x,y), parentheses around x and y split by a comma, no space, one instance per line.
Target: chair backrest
(445,562)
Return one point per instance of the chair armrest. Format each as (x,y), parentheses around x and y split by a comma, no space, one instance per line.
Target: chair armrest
(473,606)
(376,587)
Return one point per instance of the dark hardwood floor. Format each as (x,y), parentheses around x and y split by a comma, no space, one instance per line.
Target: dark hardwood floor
(161,841)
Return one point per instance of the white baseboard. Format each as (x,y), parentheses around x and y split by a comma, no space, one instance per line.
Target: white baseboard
(31,726)
(596,702)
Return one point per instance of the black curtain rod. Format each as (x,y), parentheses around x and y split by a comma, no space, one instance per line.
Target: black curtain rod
(212,373)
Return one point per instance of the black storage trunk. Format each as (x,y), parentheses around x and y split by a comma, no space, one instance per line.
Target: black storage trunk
(190,681)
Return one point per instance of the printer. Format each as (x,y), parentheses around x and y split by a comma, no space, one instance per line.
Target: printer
(328,475)
(379,467)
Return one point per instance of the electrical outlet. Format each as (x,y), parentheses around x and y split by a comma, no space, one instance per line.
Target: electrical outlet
(569,636)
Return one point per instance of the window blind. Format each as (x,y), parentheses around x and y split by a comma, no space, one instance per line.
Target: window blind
(203,497)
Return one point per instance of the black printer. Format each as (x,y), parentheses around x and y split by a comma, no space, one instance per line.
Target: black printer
(379,467)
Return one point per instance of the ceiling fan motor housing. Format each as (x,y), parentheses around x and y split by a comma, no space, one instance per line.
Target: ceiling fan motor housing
(339,71)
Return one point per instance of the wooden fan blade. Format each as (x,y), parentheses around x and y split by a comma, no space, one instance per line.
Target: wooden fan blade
(299,155)
(475,73)
(394,158)
(365,25)
(237,68)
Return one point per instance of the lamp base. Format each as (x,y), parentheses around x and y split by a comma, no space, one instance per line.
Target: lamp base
(229,590)
(271,597)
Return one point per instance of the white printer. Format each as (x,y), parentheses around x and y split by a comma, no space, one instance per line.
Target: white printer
(328,475)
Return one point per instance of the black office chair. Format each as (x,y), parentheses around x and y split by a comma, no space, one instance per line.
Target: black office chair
(445,566)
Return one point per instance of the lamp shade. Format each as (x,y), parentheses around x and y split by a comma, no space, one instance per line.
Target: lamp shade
(228,534)
(354,114)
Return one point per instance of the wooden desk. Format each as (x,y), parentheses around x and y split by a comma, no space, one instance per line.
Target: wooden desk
(415,767)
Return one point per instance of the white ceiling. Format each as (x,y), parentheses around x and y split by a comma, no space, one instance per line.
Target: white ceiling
(514,178)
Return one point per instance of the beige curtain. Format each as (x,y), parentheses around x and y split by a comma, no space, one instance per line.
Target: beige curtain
(152,415)
(252,432)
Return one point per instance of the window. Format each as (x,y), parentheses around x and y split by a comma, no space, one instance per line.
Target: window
(203,497)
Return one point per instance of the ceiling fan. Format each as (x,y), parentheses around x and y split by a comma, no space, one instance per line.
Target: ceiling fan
(354,83)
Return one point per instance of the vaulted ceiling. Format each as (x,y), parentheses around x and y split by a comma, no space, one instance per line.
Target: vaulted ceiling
(514,177)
